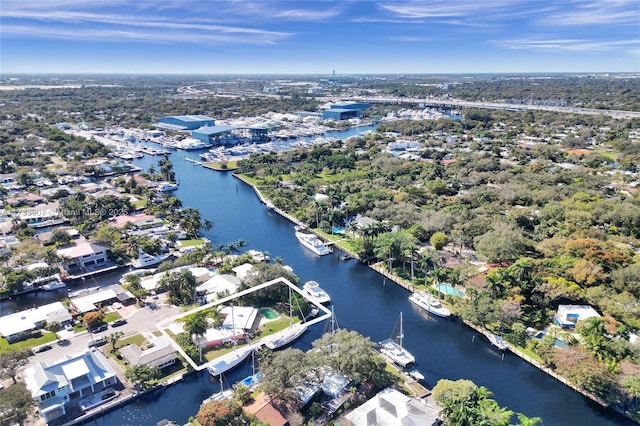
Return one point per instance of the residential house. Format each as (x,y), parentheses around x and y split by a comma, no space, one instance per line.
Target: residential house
(392,408)
(568,316)
(19,325)
(56,385)
(161,353)
(83,257)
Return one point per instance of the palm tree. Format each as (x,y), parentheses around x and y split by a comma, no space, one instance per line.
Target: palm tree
(528,421)
(197,325)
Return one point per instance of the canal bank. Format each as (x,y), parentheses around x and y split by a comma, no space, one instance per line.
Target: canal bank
(411,288)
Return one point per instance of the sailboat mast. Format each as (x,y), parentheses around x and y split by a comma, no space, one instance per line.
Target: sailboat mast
(401,335)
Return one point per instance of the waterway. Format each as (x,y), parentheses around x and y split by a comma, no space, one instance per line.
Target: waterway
(364,302)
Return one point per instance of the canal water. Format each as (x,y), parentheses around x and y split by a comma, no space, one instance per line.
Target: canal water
(363,302)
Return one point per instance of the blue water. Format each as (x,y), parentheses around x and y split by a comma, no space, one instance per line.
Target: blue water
(364,302)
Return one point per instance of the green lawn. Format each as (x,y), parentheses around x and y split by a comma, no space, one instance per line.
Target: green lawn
(112,316)
(45,337)
(191,243)
(136,339)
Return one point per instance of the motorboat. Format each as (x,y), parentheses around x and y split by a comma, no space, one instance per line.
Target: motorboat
(415,374)
(316,293)
(53,285)
(146,260)
(429,303)
(190,144)
(167,186)
(393,347)
(497,341)
(313,243)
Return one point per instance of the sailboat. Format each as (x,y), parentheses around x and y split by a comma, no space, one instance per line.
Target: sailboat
(392,348)
(331,326)
(289,334)
(252,380)
(236,356)
(224,394)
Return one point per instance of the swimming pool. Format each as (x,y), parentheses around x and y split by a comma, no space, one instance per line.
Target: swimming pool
(558,343)
(338,230)
(268,313)
(447,289)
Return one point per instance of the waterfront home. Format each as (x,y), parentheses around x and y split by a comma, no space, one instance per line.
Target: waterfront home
(41,215)
(19,325)
(569,315)
(243,271)
(218,284)
(57,385)
(362,222)
(392,408)
(238,321)
(161,354)
(93,302)
(265,411)
(83,257)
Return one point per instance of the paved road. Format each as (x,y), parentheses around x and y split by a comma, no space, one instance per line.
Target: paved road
(144,319)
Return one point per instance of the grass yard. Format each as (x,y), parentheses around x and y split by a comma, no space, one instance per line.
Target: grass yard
(191,243)
(45,337)
(111,316)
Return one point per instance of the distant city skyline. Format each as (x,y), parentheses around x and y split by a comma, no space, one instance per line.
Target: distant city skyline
(318,37)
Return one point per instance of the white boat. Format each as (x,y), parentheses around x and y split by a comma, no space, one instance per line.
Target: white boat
(317,294)
(230,360)
(223,395)
(146,260)
(415,374)
(190,144)
(429,303)
(289,334)
(497,341)
(313,243)
(53,285)
(392,348)
(167,186)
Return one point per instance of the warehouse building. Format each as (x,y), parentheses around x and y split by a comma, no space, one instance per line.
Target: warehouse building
(344,110)
(185,122)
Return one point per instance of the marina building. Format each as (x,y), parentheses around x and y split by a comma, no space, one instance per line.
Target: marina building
(344,110)
(185,122)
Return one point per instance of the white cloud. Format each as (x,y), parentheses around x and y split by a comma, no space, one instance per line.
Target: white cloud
(308,15)
(567,44)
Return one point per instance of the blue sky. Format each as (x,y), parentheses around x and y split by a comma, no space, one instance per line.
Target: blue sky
(316,37)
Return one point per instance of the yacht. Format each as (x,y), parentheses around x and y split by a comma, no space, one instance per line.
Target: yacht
(392,348)
(315,293)
(497,341)
(146,260)
(53,285)
(191,144)
(313,243)
(429,303)
(167,186)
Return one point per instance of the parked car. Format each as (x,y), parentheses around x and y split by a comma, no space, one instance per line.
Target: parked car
(43,348)
(68,327)
(98,328)
(118,322)
(97,341)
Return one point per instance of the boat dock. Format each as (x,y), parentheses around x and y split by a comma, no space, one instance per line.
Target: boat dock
(195,162)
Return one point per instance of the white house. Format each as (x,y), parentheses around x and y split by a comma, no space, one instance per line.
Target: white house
(83,256)
(392,408)
(54,385)
(19,325)
(569,315)
(162,354)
